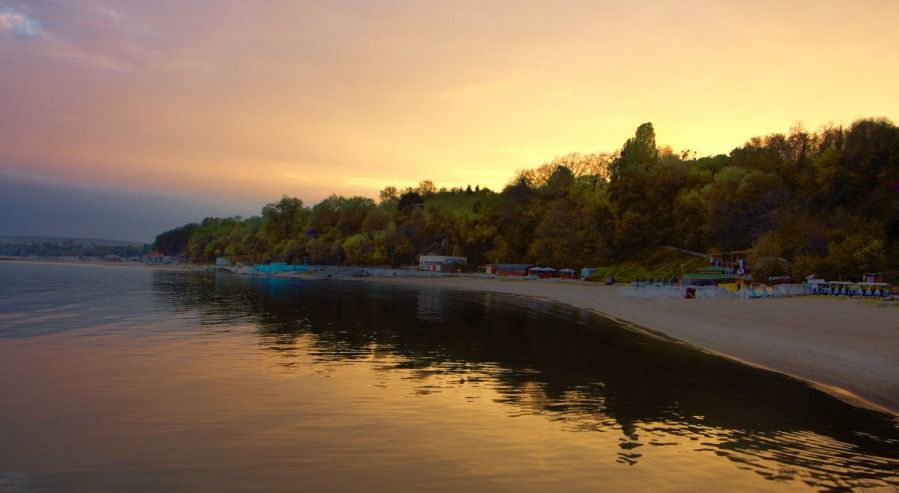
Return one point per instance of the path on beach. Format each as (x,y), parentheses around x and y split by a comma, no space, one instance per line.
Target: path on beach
(848,347)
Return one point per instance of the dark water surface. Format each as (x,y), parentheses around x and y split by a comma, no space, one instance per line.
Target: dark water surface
(125,379)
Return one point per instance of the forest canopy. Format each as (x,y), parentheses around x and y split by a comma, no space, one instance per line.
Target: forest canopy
(824,202)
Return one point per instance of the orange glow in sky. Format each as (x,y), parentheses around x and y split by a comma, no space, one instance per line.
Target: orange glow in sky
(259,99)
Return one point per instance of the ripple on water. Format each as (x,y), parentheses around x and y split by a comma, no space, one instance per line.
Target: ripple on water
(126,378)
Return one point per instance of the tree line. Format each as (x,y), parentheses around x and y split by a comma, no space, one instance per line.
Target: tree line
(824,202)
(70,249)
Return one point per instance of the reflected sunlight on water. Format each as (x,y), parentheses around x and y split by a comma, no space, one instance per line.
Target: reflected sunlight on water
(124,379)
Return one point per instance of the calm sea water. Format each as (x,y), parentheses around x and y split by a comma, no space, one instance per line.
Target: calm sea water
(119,379)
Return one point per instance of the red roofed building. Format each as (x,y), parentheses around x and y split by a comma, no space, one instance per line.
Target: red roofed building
(154,258)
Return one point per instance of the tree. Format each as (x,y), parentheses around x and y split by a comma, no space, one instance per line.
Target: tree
(639,152)
(358,249)
(376,219)
(388,194)
(766,258)
(634,234)
(283,219)
(426,187)
(827,201)
(595,165)
(410,199)
(352,213)
(569,236)
(854,255)
(175,241)
(559,183)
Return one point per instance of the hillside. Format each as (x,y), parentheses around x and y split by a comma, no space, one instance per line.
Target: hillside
(824,203)
(21,239)
(658,263)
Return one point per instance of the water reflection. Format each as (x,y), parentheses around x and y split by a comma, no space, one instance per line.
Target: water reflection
(562,363)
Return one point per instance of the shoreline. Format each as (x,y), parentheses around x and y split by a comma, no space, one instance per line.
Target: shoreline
(846,348)
(103,263)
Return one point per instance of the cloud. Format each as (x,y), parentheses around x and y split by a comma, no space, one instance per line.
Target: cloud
(92,38)
(111,13)
(19,24)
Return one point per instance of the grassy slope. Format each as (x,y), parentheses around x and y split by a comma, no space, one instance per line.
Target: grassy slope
(659,263)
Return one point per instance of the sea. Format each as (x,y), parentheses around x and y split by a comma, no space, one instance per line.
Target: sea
(140,380)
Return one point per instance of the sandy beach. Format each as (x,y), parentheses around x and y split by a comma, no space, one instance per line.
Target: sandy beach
(847,347)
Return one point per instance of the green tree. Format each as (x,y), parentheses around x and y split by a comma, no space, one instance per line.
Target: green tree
(175,241)
(637,153)
(854,255)
(283,220)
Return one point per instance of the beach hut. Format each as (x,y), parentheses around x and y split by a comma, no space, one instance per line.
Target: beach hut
(441,263)
(154,258)
(542,272)
(518,270)
(816,286)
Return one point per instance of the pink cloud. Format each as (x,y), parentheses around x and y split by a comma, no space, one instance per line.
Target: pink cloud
(19,24)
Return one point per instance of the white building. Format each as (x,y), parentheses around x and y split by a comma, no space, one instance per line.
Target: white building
(440,263)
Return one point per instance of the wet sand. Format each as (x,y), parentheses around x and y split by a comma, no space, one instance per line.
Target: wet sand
(847,347)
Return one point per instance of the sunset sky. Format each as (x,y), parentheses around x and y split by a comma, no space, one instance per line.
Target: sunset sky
(244,101)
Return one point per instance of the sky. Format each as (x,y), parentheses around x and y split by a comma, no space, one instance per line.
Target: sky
(237,103)
(34,208)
